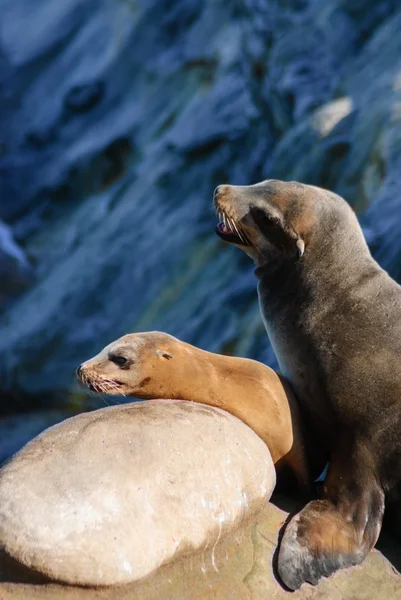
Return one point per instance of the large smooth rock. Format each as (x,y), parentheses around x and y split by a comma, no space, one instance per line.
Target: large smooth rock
(238,567)
(108,497)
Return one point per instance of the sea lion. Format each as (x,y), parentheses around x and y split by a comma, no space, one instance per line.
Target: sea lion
(333,317)
(157,365)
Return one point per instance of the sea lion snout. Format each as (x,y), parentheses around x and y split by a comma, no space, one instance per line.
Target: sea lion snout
(222,193)
(230,199)
(89,365)
(231,206)
(97,374)
(83,372)
(219,191)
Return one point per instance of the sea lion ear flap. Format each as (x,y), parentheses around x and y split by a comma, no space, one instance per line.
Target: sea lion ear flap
(300,246)
(163,354)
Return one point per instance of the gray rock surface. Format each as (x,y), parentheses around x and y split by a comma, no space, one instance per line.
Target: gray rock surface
(109,496)
(117,120)
(238,567)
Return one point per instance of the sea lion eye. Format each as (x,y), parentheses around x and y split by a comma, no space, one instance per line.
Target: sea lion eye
(117,359)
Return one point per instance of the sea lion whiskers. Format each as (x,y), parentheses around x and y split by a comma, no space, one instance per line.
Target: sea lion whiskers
(101,384)
(109,385)
(237,229)
(104,399)
(83,377)
(233,224)
(248,240)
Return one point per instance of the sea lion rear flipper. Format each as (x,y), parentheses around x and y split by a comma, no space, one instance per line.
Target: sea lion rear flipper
(323,538)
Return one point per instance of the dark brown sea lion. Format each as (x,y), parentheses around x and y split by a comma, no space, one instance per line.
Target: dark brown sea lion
(158,365)
(334,319)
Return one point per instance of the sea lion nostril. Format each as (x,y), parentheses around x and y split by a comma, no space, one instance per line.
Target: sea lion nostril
(216,192)
(78,372)
(219,191)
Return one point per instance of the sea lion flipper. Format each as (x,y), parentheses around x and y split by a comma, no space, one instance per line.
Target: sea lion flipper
(307,555)
(322,538)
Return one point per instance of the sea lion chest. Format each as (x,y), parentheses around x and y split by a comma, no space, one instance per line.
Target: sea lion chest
(300,360)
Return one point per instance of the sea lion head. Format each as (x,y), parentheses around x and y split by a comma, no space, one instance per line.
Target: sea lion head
(278,221)
(130,365)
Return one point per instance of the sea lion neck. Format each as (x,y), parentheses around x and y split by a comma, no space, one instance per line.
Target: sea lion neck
(208,368)
(338,257)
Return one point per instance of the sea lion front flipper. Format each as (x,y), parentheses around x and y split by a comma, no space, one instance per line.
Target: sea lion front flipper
(324,537)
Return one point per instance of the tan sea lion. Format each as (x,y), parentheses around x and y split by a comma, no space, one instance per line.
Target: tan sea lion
(157,365)
(334,319)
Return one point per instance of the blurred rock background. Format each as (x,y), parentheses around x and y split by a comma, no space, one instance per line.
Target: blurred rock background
(117,120)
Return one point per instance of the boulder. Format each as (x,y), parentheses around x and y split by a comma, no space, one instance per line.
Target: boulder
(238,567)
(108,497)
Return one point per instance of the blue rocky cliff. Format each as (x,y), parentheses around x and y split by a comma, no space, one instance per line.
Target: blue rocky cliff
(119,117)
